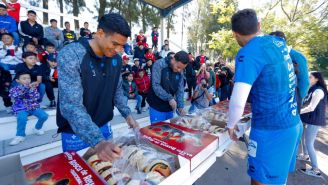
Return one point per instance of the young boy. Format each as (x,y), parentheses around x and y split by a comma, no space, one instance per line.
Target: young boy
(50,78)
(34,70)
(10,55)
(126,68)
(154,36)
(31,47)
(136,66)
(5,81)
(50,48)
(143,86)
(148,67)
(149,55)
(131,91)
(25,95)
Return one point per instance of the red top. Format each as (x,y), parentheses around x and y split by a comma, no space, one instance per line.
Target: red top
(150,56)
(202,60)
(143,84)
(141,38)
(14,13)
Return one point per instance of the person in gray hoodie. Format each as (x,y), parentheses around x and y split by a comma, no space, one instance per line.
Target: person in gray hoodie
(54,34)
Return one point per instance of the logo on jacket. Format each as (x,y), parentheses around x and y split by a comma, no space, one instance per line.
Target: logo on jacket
(241,58)
(114,62)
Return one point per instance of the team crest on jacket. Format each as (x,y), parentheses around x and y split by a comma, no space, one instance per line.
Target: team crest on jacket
(114,62)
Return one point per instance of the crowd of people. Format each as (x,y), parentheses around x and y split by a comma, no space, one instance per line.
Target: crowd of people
(28,63)
(95,76)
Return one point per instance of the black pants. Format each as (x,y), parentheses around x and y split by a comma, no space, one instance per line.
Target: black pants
(143,102)
(191,83)
(155,44)
(41,42)
(5,97)
(50,89)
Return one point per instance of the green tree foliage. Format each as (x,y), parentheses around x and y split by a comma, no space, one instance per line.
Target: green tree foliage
(77,7)
(222,40)
(203,24)
(134,11)
(303,21)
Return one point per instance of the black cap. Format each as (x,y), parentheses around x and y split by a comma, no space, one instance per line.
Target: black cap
(3,6)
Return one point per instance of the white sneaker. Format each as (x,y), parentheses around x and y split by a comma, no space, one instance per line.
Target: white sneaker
(311,172)
(303,157)
(17,140)
(38,132)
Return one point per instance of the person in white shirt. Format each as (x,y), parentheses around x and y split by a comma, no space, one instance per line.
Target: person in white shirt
(313,116)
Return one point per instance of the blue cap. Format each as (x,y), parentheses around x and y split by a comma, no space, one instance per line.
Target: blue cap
(52,57)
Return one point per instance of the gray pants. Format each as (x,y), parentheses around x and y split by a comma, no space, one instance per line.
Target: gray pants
(309,136)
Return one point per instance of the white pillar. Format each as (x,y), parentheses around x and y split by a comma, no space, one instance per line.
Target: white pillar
(162,32)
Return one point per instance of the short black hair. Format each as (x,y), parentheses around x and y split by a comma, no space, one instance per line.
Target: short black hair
(8,34)
(53,20)
(245,22)
(31,12)
(49,44)
(66,23)
(30,43)
(279,34)
(114,23)
(3,6)
(28,54)
(182,57)
(169,54)
(20,73)
(86,23)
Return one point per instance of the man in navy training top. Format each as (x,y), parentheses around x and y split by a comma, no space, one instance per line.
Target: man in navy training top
(264,70)
(90,85)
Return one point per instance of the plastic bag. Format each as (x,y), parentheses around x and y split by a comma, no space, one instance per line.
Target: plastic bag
(140,164)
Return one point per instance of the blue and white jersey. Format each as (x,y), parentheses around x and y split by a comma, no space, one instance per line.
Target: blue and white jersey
(264,63)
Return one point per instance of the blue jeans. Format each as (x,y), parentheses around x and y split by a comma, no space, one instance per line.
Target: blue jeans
(72,142)
(42,91)
(139,99)
(157,116)
(310,134)
(224,93)
(16,38)
(22,120)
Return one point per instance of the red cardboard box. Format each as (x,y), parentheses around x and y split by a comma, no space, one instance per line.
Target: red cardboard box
(193,145)
(224,107)
(64,169)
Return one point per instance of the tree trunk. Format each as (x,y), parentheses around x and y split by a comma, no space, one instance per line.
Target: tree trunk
(143,16)
(102,7)
(61,7)
(76,14)
(45,15)
(119,6)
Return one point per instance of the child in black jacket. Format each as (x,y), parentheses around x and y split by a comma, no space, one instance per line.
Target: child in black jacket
(50,78)
(5,82)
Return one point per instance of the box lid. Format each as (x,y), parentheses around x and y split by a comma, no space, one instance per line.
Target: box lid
(65,168)
(224,107)
(193,145)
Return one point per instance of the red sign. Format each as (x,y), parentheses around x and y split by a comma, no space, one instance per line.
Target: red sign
(64,169)
(178,140)
(224,107)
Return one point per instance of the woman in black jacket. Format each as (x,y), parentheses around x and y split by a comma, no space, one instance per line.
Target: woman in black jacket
(313,116)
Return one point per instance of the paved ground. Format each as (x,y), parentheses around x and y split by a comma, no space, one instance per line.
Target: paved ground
(230,169)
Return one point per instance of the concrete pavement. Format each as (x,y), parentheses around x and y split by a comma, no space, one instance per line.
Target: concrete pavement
(230,169)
